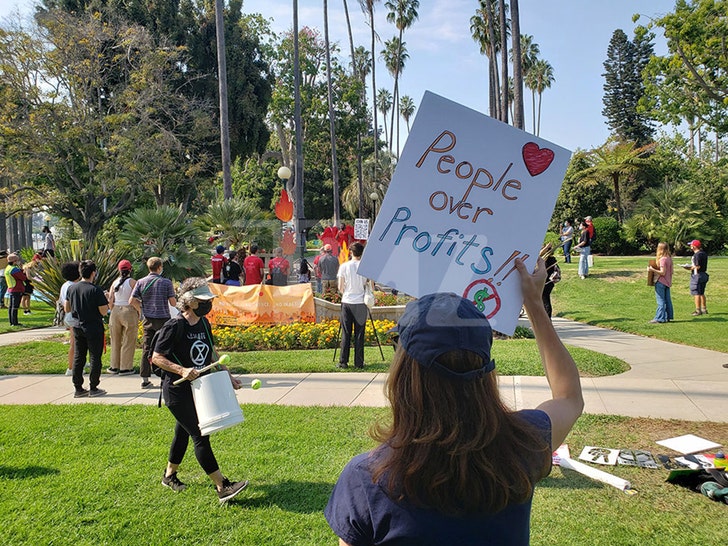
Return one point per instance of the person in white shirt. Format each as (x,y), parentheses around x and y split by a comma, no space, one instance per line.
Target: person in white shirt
(69,271)
(353,310)
(123,322)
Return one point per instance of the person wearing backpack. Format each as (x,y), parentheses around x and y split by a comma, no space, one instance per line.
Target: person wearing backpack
(184,345)
(232,270)
(152,297)
(278,268)
(584,248)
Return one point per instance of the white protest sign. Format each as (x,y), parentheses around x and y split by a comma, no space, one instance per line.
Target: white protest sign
(361,228)
(469,195)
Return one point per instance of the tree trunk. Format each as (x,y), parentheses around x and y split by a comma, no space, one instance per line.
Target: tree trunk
(617,197)
(3,231)
(359,170)
(332,119)
(227,181)
(504,62)
(495,89)
(518,117)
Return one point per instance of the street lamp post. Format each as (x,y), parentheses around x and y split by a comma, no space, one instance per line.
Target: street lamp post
(374,196)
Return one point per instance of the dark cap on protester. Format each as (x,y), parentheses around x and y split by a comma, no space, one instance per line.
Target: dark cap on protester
(436,324)
(124,265)
(695,242)
(220,249)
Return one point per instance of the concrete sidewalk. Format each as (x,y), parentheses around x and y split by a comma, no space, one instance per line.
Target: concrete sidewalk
(666,381)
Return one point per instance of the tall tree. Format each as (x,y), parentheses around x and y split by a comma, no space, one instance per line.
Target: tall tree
(111,129)
(518,117)
(367,7)
(403,13)
(612,161)
(407,109)
(504,61)
(384,104)
(541,76)
(529,51)
(332,118)
(395,56)
(485,30)
(623,87)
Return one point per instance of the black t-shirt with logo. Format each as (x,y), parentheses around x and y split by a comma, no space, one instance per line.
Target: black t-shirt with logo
(192,348)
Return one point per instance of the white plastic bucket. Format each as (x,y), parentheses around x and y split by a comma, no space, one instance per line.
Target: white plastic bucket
(590,260)
(215,401)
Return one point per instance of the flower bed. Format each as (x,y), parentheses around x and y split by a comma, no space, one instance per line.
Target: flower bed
(299,335)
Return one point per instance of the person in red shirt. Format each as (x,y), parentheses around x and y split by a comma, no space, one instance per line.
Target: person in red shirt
(253,267)
(15,279)
(279,268)
(218,261)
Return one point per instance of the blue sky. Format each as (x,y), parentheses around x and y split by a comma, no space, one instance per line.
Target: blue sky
(573,36)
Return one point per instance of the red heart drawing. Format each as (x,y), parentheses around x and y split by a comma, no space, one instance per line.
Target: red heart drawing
(537,159)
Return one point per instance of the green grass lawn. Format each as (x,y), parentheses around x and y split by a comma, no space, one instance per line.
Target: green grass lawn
(90,474)
(41,315)
(616,295)
(513,357)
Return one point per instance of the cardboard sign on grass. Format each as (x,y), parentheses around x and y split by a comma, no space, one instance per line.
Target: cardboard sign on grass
(469,195)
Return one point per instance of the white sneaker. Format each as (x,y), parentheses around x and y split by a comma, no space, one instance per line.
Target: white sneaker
(69,371)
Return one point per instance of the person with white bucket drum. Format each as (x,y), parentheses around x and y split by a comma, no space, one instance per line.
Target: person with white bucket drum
(184,346)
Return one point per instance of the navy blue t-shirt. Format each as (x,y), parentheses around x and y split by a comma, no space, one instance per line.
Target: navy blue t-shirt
(361,513)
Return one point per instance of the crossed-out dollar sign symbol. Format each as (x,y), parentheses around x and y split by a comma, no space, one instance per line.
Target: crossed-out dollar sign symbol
(479,298)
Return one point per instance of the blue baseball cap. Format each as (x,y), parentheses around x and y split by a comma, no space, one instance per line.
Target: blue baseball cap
(220,249)
(436,324)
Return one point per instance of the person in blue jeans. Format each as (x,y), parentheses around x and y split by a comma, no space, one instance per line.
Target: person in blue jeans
(584,248)
(663,260)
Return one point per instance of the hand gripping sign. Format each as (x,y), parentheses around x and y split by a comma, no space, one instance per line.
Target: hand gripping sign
(470,195)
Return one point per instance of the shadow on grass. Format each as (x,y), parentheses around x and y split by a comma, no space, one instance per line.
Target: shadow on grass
(571,480)
(21,473)
(293,496)
(625,273)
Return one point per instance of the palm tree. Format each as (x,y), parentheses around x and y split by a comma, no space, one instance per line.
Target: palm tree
(394,55)
(611,161)
(384,104)
(541,76)
(529,56)
(358,72)
(407,109)
(332,119)
(504,61)
(483,27)
(403,13)
(367,7)
(518,118)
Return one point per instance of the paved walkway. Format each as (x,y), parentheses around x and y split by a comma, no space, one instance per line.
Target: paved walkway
(666,380)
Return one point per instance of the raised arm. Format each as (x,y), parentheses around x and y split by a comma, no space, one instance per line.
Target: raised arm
(566,402)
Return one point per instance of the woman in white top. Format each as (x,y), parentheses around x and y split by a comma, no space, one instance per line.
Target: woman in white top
(123,322)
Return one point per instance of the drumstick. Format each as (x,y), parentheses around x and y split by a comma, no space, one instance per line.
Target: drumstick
(223,360)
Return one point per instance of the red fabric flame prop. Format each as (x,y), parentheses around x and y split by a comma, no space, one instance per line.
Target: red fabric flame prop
(288,242)
(284,207)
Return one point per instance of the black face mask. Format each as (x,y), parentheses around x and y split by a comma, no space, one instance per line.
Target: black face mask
(203,307)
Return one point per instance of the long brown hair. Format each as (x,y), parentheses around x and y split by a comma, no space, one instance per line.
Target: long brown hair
(453,445)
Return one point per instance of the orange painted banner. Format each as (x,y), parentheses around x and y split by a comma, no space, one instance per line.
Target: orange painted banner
(261,304)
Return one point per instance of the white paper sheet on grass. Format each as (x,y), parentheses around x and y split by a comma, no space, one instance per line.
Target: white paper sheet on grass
(470,194)
(688,443)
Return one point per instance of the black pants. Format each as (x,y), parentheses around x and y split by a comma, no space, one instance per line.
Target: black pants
(15,298)
(150,326)
(546,297)
(89,341)
(353,317)
(188,426)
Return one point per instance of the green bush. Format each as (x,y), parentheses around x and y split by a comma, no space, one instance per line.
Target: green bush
(609,237)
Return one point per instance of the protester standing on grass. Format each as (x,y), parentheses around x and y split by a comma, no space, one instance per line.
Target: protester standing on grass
(353,310)
(553,275)
(663,259)
(15,279)
(454,465)
(218,262)
(70,272)
(698,277)
(567,239)
(151,298)
(123,321)
(584,248)
(278,268)
(89,305)
(181,355)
